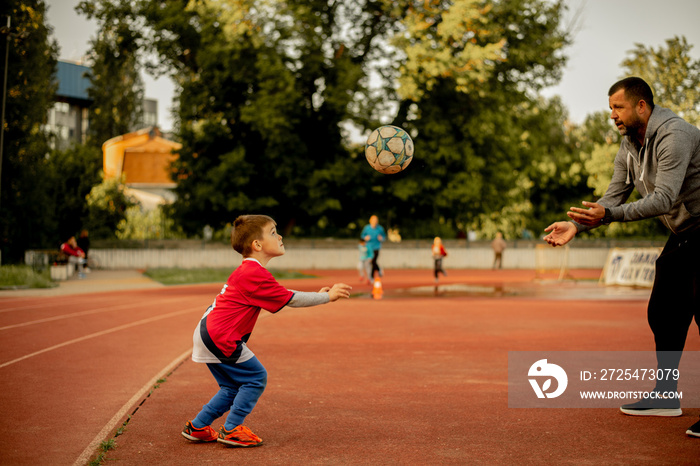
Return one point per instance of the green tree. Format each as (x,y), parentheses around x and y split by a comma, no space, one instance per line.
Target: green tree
(140,224)
(73,173)
(107,208)
(26,208)
(264,89)
(442,40)
(672,74)
(478,133)
(267,88)
(116,88)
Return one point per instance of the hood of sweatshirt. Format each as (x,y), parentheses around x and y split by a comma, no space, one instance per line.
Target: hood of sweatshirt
(659,117)
(667,130)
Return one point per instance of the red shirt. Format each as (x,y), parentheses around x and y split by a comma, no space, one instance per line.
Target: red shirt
(439,251)
(250,288)
(68,249)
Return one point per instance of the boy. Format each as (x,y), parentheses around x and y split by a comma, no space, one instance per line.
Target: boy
(364,266)
(221,336)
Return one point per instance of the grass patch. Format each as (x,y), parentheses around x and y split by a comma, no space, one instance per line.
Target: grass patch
(23,276)
(176,276)
(111,444)
(104,447)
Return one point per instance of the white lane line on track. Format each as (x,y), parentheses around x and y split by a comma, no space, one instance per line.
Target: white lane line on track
(46,303)
(117,418)
(90,450)
(82,313)
(98,334)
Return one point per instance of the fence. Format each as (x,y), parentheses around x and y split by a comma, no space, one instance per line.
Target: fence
(343,254)
(312,258)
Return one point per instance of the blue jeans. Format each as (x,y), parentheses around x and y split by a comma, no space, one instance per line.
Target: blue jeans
(241,385)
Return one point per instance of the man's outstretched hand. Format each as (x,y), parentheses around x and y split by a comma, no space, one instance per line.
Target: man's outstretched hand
(593,216)
(560,233)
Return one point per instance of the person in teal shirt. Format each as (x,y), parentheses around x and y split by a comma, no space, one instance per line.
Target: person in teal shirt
(374,235)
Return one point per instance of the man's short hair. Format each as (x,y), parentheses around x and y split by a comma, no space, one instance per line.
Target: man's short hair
(246,229)
(636,89)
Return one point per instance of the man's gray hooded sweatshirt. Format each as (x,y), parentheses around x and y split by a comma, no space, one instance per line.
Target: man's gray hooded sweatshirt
(666,172)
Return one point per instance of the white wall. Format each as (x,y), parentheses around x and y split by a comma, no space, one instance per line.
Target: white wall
(347,258)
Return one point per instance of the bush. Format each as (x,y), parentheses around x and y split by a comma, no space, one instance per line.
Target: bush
(23,276)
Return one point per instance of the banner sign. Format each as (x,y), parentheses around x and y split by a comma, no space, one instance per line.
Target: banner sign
(631,267)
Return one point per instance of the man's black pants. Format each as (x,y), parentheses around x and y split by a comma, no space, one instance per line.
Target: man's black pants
(675,299)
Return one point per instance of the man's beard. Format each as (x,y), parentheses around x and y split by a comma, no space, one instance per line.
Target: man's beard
(633,128)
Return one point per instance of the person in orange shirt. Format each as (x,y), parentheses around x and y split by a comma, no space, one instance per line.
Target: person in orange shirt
(439,252)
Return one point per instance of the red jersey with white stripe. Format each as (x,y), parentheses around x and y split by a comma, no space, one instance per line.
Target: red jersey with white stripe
(229,321)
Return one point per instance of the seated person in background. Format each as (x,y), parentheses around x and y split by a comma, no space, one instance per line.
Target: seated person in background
(75,254)
(84,244)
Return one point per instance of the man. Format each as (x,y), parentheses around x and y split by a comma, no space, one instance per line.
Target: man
(498,245)
(660,156)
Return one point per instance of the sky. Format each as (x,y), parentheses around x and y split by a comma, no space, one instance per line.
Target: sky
(605,31)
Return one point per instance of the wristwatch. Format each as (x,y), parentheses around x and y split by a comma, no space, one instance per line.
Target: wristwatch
(607,218)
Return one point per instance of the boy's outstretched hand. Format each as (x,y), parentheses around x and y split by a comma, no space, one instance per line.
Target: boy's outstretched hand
(339,290)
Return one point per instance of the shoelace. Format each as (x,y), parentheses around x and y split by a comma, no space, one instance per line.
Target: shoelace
(250,434)
(244,433)
(209,431)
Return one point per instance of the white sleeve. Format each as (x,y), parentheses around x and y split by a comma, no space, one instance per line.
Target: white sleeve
(308,298)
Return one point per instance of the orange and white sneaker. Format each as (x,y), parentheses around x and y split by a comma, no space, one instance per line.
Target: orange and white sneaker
(241,436)
(205,434)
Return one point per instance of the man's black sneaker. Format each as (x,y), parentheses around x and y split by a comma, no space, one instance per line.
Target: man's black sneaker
(694,430)
(665,407)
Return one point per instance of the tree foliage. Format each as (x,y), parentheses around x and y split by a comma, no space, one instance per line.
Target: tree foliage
(446,40)
(267,89)
(271,92)
(140,224)
(116,88)
(480,138)
(72,174)
(673,75)
(264,88)
(26,208)
(274,97)
(107,208)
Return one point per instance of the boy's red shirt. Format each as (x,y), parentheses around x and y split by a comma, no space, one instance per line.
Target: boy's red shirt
(250,288)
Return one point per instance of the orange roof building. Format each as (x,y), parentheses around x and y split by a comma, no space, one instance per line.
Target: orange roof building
(145,159)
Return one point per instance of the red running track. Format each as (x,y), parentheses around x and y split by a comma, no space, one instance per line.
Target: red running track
(402,380)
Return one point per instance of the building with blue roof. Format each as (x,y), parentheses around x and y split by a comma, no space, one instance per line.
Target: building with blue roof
(73,82)
(68,118)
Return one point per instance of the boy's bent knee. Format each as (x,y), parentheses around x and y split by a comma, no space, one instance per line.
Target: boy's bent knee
(261,379)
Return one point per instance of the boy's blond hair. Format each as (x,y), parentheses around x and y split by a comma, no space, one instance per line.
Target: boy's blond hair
(246,229)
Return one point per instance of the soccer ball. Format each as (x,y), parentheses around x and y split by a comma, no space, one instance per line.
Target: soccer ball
(389,149)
